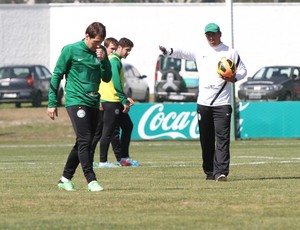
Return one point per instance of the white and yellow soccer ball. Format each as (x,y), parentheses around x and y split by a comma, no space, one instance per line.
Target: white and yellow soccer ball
(226,67)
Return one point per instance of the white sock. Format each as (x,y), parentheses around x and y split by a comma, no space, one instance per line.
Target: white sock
(91,182)
(63,179)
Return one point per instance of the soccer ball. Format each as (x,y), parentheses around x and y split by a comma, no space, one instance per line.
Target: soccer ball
(226,67)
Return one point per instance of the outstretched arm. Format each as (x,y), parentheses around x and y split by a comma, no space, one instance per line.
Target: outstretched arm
(177,53)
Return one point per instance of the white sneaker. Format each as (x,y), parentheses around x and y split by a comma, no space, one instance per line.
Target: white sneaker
(106,165)
(94,186)
(222,177)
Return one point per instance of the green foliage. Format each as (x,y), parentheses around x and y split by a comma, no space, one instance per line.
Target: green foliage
(168,191)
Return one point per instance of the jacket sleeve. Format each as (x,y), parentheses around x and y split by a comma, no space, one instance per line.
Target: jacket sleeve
(241,70)
(106,73)
(178,53)
(60,70)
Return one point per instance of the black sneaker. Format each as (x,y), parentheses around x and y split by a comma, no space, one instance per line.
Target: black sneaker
(209,176)
(221,177)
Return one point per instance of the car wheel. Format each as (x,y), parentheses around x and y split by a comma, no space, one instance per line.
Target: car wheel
(37,100)
(287,97)
(157,99)
(18,104)
(147,96)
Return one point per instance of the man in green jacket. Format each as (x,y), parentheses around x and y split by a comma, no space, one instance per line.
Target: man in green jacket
(110,95)
(83,64)
(116,106)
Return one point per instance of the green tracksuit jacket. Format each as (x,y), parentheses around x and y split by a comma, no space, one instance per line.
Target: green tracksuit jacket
(83,72)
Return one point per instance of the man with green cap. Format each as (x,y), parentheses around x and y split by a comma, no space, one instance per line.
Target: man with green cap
(214,99)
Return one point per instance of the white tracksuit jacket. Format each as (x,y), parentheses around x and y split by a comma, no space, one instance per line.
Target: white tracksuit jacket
(209,81)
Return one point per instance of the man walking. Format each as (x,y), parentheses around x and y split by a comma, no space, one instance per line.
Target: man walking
(83,64)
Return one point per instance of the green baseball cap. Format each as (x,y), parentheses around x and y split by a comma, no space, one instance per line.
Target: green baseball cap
(212,27)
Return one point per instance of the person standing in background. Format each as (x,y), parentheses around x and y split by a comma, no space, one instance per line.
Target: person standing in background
(214,100)
(83,64)
(116,106)
(111,45)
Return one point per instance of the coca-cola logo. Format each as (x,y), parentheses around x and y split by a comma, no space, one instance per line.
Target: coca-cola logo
(157,122)
(241,108)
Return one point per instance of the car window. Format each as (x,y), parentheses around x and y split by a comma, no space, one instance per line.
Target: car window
(46,72)
(128,72)
(190,66)
(135,72)
(16,72)
(259,74)
(170,63)
(282,72)
(13,72)
(273,72)
(21,72)
(39,72)
(6,73)
(296,73)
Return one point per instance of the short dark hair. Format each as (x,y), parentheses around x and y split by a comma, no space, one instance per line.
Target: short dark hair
(125,42)
(96,28)
(109,40)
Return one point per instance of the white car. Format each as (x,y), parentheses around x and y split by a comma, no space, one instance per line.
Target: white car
(175,80)
(135,85)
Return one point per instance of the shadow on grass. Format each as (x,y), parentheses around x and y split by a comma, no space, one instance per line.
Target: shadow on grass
(7,134)
(19,161)
(269,178)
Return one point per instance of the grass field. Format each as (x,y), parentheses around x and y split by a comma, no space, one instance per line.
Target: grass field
(168,191)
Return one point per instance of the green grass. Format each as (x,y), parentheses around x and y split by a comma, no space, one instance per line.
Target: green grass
(168,191)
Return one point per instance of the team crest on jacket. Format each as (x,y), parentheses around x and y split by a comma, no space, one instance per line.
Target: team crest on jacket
(81,113)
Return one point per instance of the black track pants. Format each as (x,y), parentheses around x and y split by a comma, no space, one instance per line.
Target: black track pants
(84,120)
(111,113)
(119,144)
(98,134)
(214,128)
(126,126)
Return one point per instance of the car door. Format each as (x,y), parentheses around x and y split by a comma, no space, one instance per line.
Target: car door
(141,84)
(296,80)
(133,89)
(129,87)
(44,78)
(9,83)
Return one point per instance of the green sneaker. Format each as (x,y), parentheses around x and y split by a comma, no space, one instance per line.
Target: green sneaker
(94,186)
(68,185)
